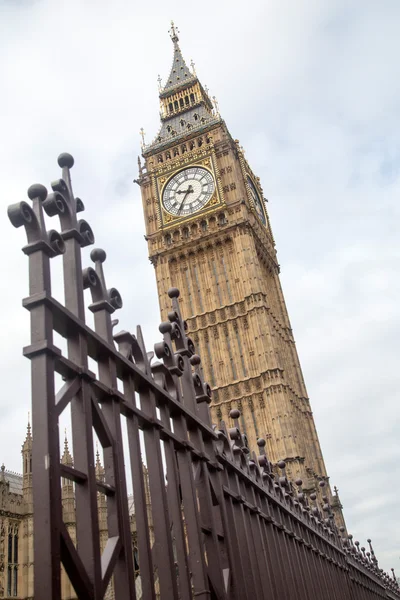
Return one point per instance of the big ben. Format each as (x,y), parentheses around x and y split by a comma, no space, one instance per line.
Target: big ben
(209,234)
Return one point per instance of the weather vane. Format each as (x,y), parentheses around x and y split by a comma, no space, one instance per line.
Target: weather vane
(173,32)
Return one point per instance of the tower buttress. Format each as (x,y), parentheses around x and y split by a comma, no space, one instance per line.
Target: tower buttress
(27,469)
(101,503)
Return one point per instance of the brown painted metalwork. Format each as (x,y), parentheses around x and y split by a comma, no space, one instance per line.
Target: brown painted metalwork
(224,524)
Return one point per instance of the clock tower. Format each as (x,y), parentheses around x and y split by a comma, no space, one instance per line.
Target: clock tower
(209,235)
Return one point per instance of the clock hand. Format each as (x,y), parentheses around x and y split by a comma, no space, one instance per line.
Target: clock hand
(188,191)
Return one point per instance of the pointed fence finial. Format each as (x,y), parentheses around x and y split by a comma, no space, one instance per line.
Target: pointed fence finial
(142,134)
(173,32)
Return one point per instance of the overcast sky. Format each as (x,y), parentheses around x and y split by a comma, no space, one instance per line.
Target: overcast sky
(311,89)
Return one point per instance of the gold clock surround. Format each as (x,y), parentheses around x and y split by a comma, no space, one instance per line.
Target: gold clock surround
(167,219)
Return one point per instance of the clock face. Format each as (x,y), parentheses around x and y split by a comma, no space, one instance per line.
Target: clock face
(188,191)
(257,200)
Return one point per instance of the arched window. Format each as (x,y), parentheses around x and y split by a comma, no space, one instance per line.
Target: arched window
(195,116)
(168,240)
(187,100)
(200,142)
(181,104)
(182,122)
(183,148)
(168,154)
(171,108)
(160,158)
(222,219)
(192,98)
(185,233)
(203,225)
(176,105)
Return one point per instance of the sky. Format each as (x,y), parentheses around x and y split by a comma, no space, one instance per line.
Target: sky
(311,90)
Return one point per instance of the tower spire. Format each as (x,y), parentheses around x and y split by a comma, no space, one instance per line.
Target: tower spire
(28,428)
(180,72)
(185,104)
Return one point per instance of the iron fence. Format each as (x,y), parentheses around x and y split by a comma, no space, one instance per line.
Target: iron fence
(224,524)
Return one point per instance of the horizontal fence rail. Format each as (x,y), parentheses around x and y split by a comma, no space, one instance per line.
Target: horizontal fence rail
(222,522)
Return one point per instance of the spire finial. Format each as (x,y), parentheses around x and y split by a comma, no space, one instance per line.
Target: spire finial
(192,65)
(28,428)
(142,134)
(173,32)
(98,463)
(65,440)
(159,83)
(216,106)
